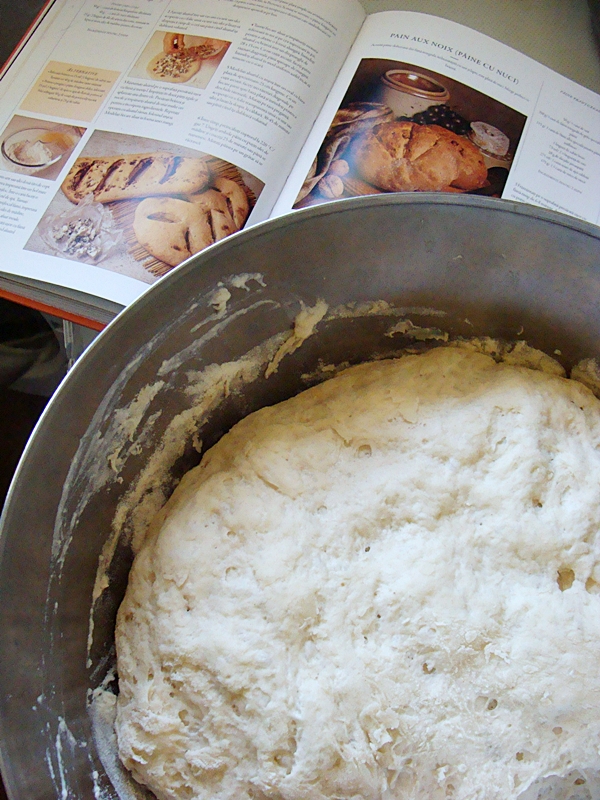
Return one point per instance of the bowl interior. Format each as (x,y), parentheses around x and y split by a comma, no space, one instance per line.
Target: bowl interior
(188,360)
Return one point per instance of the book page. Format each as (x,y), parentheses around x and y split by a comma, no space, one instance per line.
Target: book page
(133,135)
(457,112)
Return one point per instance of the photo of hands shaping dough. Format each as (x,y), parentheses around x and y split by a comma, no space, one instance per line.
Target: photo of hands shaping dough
(180,58)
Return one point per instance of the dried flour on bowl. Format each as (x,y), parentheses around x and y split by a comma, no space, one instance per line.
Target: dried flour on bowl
(385,587)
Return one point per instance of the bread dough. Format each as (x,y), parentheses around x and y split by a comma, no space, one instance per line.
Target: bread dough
(385,587)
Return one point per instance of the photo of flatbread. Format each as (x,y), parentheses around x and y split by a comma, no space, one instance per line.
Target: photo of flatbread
(142,210)
(162,231)
(121,177)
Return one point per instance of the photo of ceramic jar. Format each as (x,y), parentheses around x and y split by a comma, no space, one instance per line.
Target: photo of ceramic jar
(407,92)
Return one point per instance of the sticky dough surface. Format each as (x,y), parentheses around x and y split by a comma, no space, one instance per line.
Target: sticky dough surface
(385,587)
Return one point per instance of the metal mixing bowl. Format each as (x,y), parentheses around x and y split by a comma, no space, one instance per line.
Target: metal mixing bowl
(458,266)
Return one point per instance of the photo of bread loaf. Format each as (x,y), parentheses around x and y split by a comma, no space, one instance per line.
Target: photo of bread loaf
(402,156)
(122,177)
(404,128)
(141,207)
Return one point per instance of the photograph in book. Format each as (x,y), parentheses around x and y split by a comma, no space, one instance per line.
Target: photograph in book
(35,147)
(403,128)
(179,58)
(139,207)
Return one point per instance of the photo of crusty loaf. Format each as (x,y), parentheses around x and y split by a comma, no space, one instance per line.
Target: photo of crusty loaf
(406,157)
(142,210)
(404,128)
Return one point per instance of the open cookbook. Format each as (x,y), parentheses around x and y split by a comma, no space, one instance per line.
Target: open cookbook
(133,135)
